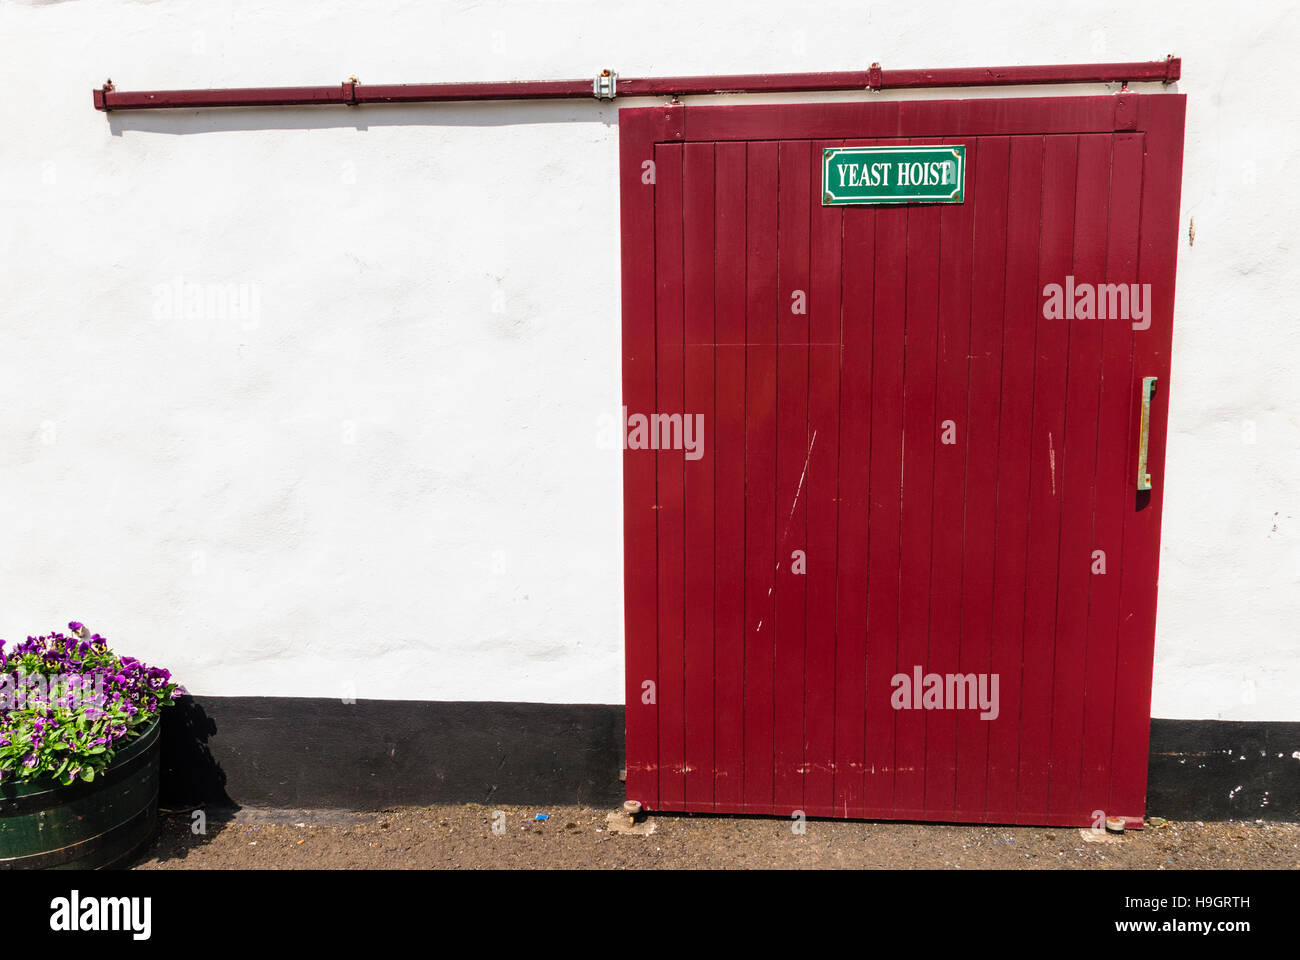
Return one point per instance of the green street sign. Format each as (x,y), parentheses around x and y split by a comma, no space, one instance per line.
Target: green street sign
(862,175)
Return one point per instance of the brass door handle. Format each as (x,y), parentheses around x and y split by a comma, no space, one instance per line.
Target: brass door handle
(1144,478)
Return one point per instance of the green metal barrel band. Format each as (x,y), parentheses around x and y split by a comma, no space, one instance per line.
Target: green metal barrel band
(74,854)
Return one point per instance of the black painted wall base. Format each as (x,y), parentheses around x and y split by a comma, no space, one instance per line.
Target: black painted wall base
(299,752)
(291,752)
(1224,770)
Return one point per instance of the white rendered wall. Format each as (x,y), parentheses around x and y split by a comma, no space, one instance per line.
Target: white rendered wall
(383,476)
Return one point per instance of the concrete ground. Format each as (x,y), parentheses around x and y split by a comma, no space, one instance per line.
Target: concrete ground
(472,837)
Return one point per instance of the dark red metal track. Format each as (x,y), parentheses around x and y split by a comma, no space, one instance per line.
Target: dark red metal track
(352,92)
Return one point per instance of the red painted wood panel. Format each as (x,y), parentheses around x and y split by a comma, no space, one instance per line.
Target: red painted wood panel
(903,119)
(829,351)
(639,131)
(760,473)
(1161,183)
(1113,490)
(953,359)
(1078,471)
(889,314)
(916,491)
(1021,306)
(824,333)
(670,475)
(983,402)
(1046,476)
(701,565)
(793,454)
(852,542)
(728,433)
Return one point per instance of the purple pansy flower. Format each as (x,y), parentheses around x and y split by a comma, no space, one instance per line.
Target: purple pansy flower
(61,696)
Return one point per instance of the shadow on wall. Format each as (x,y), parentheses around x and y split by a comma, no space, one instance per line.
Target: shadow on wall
(191,776)
(489,113)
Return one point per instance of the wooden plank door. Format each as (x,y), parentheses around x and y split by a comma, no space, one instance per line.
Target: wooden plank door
(866,448)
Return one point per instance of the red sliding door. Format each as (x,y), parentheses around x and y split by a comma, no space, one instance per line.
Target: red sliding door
(890,549)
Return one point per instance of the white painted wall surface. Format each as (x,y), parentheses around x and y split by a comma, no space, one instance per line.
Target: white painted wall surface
(386,479)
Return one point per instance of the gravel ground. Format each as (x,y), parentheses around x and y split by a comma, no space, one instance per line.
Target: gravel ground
(461,837)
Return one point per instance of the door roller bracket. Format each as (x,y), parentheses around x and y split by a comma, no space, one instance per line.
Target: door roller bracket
(605,86)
